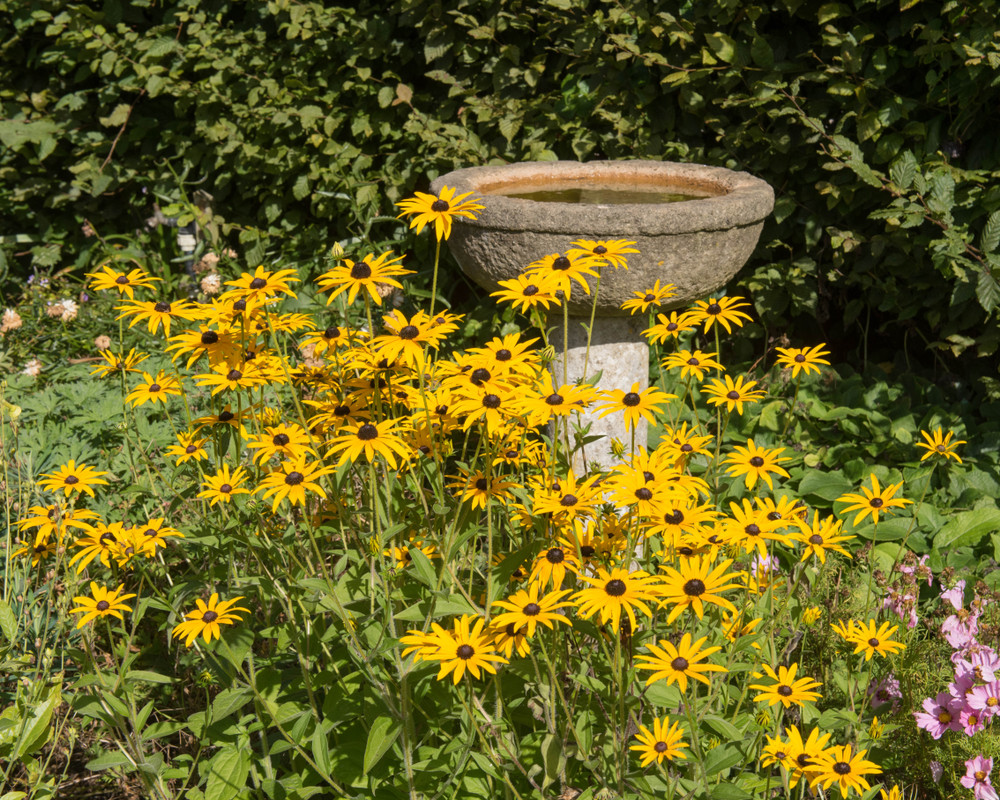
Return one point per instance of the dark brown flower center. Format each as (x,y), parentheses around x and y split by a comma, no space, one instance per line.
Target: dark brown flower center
(694,362)
(532,609)
(555,556)
(643,493)
(294,478)
(649,298)
(660,747)
(714,308)
(240,305)
(479,376)
(440,206)
(530,290)
(876,502)
(280,439)
(234,375)
(503,355)
(842,768)
(615,587)
(600,250)
(226,416)
(163,308)
(694,587)
(561,263)
(752,529)
(226,488)
(587,551)
(568,500)
(631,400)
(873,642)
(554,399)
(209,616)
(154,387)
(190,449)
(481,484)
(672,326)
(332,332)
(799,358)
(757,462)
(103,605)
(258,283)
(409,332)
(674,518)
(733,395)
(491,401)
(784,690)
(209,337)
(107,537)
(121,280)
(71,480)
(361,271)
(367,432)
(680,664)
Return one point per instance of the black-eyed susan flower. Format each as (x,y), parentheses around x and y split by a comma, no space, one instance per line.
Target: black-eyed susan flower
(221,487)
(665,741)
(369,439)
(822,534)
(940,444)
(509,639)
(749,529)
(206,619)
(72,477)
(406,339)
(696,582)
(528,608)
(402,554)
(732,394)
(329,339)
(679,517)
(226,418)
(617,591)
(636,404)
(157,313)
(154,533)
(679,445)
(284,440)
(39,550)
(509,355)
(776,752)
(802,359)
(217,345)
(612,252)
(226,377)
(648,298)
(873,501)
(782,511)
(367,274)
(99,541)
(804,753)
(292,480)
(870,638)
(439,210)
(839,765)
(786,688)
(101,603)
(467,647)
(692,364)
(116,364)
(189,447)
(126,284)
(568,498)
(723,310)
(551,565)
(547,401)
(677,663)
(753,463)
(478,489)
(670,326)
(528,291)
(564,270)
(264,282)
(154,389)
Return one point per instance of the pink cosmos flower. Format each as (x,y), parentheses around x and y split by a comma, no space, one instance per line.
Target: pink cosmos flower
(885,691)
(921,569)
(960,633)
(955,595)
(939,715)
(972,721)
(977,778)
(903,606)
(986,699)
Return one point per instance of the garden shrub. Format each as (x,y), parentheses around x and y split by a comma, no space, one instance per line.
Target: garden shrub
(303,121)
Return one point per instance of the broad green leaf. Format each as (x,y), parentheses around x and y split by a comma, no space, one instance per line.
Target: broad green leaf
(967,528)
(421,568)
(108,761)
(321,750)
(551,756)
(826,485)
(228,772)
(722,758)
(8,622)
(383,733)
(990,237)
(903,170)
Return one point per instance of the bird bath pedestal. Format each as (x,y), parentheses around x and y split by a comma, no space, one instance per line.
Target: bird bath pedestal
(696,242)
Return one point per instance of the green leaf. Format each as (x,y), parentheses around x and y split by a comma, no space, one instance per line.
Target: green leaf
(422,568)
(108,761)
(761,52)
(968,528)
(827,485)
(36,730)
(383,733)
(722,758)
(724,728)
(990,237)
(227,773)
(722,45)
(8,622)
(729,791)
(145,676)
(988,290)
(321,750)
(551,756)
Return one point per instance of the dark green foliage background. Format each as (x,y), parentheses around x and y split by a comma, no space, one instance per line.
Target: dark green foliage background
(875,122)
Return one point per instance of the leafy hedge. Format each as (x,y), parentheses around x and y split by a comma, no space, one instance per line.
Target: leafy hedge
(875,122)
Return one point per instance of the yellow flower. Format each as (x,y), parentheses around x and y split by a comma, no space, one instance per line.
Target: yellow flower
(805,359)
(206,619)
(221,487)
(692,363)
(125,284)
(154,390)
(292,480)
(677,663)
(635,404)
(71,477)
(874,501)
(440,210)
(649,297)
(664,742)
(612,252)
(368,274)
(755,462)
(615,591)
(838,766)
(102,603)
(732,394)
(785,689)
(724,310)
(939,444)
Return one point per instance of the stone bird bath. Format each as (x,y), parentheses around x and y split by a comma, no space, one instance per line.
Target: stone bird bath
(697,242)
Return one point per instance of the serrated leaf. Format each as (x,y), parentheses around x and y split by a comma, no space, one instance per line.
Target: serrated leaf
(988,290)
(383,733)
(722,45)
(990,237)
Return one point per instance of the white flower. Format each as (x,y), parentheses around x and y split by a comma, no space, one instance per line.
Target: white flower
(32,368)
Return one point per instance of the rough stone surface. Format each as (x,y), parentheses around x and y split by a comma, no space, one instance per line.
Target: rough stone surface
(697,245)
(621,355)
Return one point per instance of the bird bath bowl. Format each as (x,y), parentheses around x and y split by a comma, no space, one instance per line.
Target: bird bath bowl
(694,227)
